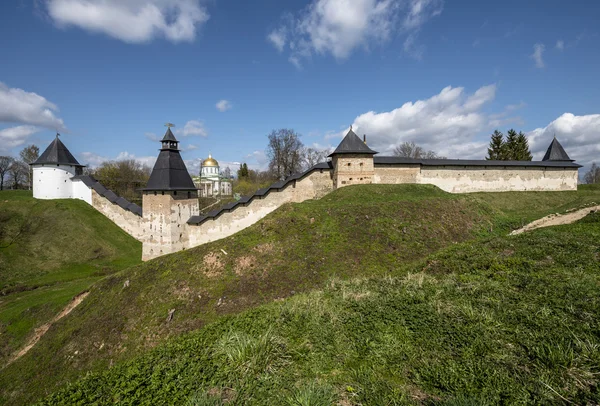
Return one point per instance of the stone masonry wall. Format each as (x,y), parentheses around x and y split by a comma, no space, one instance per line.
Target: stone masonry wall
(128,221)
(164,222)
(313,186)
(392,175)
(459,179)
(353,169)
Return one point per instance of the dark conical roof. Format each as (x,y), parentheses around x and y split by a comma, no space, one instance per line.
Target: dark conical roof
(57,153)
(169,136)
(170,172)
(352,144)
(556,152)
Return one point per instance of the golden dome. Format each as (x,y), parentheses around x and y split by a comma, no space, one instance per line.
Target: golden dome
(210,161)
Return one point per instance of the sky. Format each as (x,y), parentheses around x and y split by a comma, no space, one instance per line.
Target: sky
(108,74)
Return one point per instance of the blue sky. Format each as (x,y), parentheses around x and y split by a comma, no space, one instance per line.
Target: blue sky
(109,73)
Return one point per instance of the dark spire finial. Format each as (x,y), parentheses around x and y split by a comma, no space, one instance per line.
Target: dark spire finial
(169,125)
(350,127)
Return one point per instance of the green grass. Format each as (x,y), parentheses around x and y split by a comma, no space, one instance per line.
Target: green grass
(507,320)
(51,250)
(374,231)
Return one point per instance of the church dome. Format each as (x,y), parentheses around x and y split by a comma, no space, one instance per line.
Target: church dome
(210,161)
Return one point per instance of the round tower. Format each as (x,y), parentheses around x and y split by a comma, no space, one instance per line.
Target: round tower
(53,170)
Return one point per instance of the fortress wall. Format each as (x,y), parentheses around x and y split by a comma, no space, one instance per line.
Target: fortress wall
(313,186)
(353,169)
(391,175)
(81,191)
(466,179)
(126,220)
(164,223)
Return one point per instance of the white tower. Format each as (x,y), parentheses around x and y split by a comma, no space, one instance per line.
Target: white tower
(53,171)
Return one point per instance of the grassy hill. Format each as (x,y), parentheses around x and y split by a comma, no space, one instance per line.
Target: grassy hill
(51,250)
(373,231)
(509,320)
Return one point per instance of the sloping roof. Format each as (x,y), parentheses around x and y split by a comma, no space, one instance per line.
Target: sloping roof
(170,172)
(57,153)
(556,152)
(352,144)
(395,160)
(169,136)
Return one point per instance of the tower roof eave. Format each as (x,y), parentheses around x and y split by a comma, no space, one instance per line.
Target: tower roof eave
(352,144)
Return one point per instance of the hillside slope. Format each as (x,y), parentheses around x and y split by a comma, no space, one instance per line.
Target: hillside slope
(510,320)
(357,231)
(51,250)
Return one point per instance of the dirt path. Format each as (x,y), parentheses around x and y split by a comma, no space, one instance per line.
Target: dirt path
(557,219)
(40,331)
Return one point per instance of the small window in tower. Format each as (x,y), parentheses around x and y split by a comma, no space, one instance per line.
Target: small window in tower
(349,164)
(175,193)
(350,179)
(361,164)
(155,193)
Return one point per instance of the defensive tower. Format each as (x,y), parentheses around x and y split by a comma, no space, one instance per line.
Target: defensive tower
(352,161)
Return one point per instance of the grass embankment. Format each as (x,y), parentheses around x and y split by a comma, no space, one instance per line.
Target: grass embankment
(509,320)
(362,231)
(51,250)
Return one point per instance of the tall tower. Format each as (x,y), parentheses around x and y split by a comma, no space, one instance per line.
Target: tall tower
(352,162)
(169,199)
(53,170)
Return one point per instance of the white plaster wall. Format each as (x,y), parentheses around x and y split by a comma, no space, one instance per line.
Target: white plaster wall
(81,191)
(53,181)
(492,179)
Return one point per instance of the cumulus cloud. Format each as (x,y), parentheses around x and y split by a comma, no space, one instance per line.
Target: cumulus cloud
(19,106)
(16,136)
(193,128)
(339,27)
(447,123)
(537,55)
(152,136)
(132,21)
(579,135)
(560,45)
(223,105)
(93,160)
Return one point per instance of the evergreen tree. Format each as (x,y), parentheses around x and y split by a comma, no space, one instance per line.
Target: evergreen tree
(511,145)
(496,149)
(522,152)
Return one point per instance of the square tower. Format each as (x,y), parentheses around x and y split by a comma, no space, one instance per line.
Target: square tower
(169,200)
(352,162)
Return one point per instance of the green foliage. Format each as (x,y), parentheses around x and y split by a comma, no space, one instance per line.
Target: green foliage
(124,177)
(506,320)
(514,148)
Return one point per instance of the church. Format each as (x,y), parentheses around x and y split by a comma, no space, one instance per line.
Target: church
(212,182)
(170,220)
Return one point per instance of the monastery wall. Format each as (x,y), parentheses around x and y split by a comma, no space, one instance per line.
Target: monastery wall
(467,179)
(126,220)
(392,175)
(313,186)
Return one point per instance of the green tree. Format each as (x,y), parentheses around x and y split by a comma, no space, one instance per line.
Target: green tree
(511,145)
(243,171)
(522,152)
(29,155)
(124,177)
(496,150)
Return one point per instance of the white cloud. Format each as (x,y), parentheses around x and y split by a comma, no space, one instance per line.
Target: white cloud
(257,160)
(560,45)
(223,105)
(16,136)
(537,55)
(189,147)
(132,21)
(94,160)
(446,123)
(339,27)
(191,128)
(579,135)
(152,136)
(19,106)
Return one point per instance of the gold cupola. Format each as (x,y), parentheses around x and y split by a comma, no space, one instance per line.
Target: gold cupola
(210,161)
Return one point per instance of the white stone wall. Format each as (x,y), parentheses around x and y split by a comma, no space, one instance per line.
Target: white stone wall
(467,179)
(81,191)
(313,186)
(129,222)
(52,181)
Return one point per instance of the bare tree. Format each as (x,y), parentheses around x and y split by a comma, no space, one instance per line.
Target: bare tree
(409,149)
(593,175)
(284,152)
(19,173)
(29,155)
(313,156)
(123,177)
(5,164)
